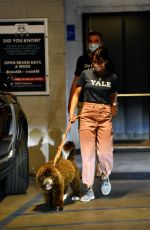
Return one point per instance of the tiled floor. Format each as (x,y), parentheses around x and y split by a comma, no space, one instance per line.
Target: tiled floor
(126,208)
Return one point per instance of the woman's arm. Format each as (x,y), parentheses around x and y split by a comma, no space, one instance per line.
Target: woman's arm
(73,88)
(74,102)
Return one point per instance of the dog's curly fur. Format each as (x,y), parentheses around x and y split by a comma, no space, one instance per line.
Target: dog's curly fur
(54,180)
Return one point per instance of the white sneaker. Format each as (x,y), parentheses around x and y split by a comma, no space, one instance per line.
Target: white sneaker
(65,196)
(89,195)
(106,186)
(75,198)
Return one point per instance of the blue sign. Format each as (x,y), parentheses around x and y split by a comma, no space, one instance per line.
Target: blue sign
(70,32)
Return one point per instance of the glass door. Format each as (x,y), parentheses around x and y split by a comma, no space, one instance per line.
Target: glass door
(127,36)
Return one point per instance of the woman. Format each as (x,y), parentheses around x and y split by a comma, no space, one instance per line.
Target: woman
(100,105)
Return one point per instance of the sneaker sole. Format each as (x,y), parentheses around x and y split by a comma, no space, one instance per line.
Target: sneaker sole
(75,198)
(92,198)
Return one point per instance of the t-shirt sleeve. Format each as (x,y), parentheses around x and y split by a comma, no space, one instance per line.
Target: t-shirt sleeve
(114,87)
(81,80)
(79,67)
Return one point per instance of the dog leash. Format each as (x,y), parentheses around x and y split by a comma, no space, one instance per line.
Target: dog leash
(62,143)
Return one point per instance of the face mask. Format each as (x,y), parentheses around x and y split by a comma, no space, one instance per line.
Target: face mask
(93,46)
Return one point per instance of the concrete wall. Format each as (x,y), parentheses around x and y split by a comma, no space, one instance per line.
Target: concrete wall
(73,15)
(45,114)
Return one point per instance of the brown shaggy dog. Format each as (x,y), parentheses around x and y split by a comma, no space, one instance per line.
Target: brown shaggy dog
(55,179)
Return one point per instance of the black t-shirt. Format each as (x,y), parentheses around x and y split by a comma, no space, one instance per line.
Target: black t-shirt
(97,89)
(83,63)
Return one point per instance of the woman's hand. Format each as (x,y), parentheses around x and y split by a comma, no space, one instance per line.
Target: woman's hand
(114,110)
(114,104)
(72,117)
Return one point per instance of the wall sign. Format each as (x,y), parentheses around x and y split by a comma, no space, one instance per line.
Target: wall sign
(70,32)
(24,54)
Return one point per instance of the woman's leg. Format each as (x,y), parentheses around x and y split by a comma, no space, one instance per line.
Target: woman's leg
(105,143)
(87,144)
(105,152)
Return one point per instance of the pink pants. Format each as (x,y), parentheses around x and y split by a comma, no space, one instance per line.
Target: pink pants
(96,138)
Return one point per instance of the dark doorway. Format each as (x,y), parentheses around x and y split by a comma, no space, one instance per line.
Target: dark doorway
(127,37)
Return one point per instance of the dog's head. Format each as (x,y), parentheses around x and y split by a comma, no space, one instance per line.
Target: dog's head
(48,183)
(46,177)
(68,151)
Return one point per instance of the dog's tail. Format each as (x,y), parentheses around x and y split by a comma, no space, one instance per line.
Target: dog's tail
(69,150)
(57,156)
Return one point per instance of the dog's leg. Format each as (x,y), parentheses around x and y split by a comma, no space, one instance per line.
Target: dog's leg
(65,192)
(58,201)
(75,185)
(47,198)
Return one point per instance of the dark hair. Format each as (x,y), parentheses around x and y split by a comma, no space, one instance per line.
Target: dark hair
(102,54)
(95,33)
